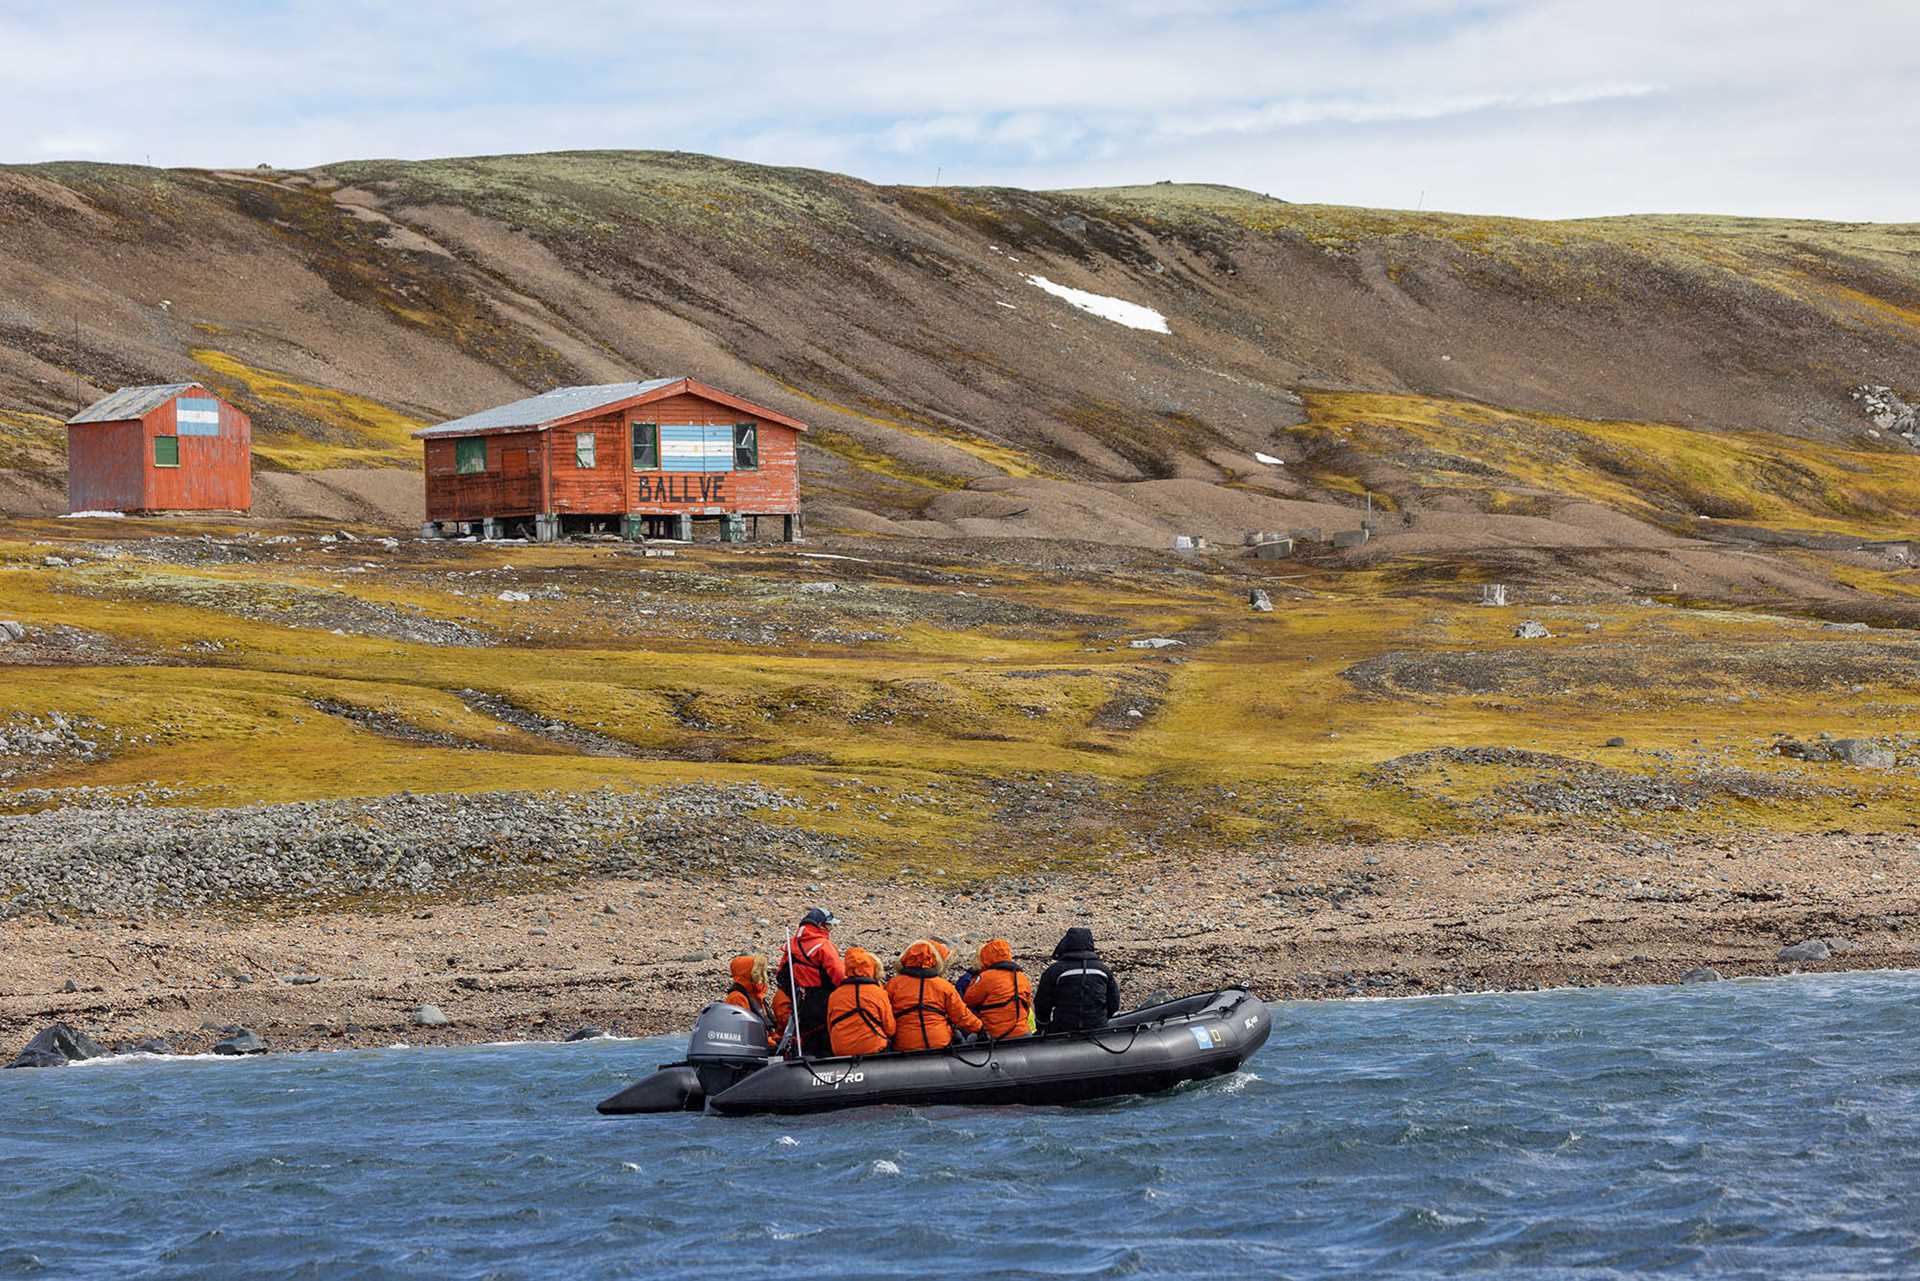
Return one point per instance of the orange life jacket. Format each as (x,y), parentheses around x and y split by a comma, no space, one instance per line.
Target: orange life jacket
(859,1017)
(1002,996)
(926,1008)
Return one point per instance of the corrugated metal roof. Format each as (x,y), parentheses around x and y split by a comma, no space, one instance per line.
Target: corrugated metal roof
(561,402)
(129,402)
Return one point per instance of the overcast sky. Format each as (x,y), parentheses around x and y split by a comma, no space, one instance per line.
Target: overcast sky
(1536,107)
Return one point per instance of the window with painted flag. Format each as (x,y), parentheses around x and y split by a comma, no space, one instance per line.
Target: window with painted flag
(166,451)
(646,447)
(470,456)
(583,445)
(746,447)
(696,447)
(196,416)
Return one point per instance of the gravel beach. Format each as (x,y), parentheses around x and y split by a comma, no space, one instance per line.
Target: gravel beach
(641,951)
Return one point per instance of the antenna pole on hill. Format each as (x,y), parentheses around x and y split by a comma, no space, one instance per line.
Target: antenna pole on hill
(76,362)
(936,175)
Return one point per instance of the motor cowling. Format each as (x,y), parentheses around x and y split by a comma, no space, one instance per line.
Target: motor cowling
(728,1035)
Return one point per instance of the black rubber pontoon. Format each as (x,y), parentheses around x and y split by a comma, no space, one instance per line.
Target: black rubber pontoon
(1144,1051)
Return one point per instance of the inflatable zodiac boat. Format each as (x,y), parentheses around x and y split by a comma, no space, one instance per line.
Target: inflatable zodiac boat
(727,1068)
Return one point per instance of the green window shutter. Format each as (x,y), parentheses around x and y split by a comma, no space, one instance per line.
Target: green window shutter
(583,446)
(470,456)
(746,447)
(166,451)
(646,447)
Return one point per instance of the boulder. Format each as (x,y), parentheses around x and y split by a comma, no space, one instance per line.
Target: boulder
(56,1046)
(1864,753)
(1702,974)
(1532,630)
(11,631)
(241,1041)
(1259,602)
(428,1016)
(146,1045)
(1807,950)
(588,1034)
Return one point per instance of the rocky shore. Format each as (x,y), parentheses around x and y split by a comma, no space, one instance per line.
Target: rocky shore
(104,858)
(639,948)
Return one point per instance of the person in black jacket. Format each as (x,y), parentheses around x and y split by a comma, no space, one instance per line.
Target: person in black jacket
(1078,991)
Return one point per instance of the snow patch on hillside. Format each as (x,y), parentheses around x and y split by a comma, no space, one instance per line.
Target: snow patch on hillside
(1119,311)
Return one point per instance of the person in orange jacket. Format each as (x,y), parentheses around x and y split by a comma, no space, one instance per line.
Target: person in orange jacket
(926,1008)
(1002,995)
(782,1010)
(749,992)
(859,1015)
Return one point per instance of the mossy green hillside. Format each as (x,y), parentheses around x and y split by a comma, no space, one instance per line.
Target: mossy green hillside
(1261,728)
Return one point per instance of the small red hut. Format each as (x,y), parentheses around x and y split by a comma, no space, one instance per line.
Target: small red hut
(641,458)
(173,447)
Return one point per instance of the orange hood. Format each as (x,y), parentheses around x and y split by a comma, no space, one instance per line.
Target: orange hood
(742,968)
(923,955)
(862,963)
(994,951)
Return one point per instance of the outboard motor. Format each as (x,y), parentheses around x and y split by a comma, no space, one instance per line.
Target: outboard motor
(728,1044)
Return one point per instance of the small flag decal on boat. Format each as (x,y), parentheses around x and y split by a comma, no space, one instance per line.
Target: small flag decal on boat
(1203,1037)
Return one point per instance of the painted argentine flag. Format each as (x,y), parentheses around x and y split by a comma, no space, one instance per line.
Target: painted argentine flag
(196,416)
(693,447)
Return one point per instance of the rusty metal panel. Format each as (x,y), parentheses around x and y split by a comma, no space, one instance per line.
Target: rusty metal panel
(215,473)
(129,403)
(111,465)
(104,467)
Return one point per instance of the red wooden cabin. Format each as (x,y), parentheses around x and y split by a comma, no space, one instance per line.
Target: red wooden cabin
(635,458)
(173,447)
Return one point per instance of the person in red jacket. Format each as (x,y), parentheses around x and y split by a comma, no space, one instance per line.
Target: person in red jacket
(1002,995)
(926,1009)
(813,968)
(859,1015)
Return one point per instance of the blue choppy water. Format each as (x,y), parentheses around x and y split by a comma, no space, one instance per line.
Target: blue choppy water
(1766,1129)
